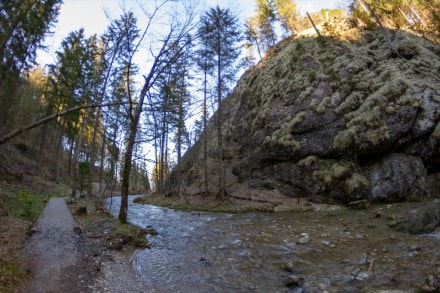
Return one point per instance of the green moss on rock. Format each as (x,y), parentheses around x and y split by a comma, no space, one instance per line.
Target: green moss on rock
(308,161)
(355,182)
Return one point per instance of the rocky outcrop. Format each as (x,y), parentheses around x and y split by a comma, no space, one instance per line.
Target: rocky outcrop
(334,119)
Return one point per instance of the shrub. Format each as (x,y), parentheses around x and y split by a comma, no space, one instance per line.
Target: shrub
(422,220)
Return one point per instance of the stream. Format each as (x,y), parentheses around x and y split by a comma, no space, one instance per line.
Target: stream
(333,251)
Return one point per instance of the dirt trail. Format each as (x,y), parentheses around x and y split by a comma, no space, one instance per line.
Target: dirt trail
(61,259)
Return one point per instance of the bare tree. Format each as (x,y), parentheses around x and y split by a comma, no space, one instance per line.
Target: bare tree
(178,32)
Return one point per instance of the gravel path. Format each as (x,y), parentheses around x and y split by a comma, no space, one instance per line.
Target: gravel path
(58,253)
(63,261)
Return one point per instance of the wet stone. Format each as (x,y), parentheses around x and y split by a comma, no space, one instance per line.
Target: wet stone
(414,248)
(295,281)
(362,276)
(304,238)
(288,267)
(325,242)
(324,284)
(346,233)
(222,247)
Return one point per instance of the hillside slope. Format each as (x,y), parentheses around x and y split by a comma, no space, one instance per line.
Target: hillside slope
(333,119)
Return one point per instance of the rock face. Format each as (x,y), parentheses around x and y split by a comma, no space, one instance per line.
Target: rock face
(333,119)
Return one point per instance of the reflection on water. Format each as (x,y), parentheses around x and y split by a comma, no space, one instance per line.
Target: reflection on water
(339,251)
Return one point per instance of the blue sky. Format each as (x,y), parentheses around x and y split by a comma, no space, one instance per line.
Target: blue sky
(92,16)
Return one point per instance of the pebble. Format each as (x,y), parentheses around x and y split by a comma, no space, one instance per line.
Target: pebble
(324,284)
(362,276)
(346,233)
(295,281)
(304,238)
(288,267)
(325,242)
(414,247)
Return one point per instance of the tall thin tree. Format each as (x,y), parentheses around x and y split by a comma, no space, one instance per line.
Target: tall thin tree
(177,33)
(220,33)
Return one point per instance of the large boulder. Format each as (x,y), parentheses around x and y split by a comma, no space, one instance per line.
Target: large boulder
(396,177)
(333,119)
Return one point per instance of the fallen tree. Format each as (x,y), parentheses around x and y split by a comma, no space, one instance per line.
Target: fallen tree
(49,118)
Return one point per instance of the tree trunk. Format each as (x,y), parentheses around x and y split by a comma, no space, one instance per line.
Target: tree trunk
(101,165)
(42,146)
(58,152)
(134,122)
(205,136)
(69,168)
(78,146)
(127,168)
(221,170)
(93,150)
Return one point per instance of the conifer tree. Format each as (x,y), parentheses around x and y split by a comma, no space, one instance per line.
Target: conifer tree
(220,34)
(288,14)
(23,25)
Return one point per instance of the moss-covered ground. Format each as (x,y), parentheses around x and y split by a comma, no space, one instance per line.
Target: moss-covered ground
(20,206)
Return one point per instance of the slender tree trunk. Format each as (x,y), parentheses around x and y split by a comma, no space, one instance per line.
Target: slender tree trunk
(165,170)
(205,136)
(76,154)
(93,150)
(221,170)
(58,152)
(69,168)
(101,165)
(42,146)
(163,146)
(179,143)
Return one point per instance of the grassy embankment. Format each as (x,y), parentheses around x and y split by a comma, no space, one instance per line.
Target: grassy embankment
(19,208)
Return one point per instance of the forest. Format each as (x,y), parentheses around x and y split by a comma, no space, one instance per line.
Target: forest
(95,116)
(305,145)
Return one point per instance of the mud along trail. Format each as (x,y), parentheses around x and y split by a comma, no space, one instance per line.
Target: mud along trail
(62,261)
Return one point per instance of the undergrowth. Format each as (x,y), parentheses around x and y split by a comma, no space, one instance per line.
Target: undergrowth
(27,205)
(422,220)
(11,274)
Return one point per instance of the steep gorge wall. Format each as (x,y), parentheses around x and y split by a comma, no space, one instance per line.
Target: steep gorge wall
(336,118)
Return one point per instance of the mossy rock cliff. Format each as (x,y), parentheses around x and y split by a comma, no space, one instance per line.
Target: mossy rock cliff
(336,118)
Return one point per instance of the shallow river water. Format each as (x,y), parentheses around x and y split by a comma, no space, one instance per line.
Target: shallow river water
(334,251)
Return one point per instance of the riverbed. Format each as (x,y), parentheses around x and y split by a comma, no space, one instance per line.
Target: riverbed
(334,251)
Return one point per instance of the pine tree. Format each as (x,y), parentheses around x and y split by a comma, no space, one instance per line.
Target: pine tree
(288,15)
(23,25)
(220,34)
